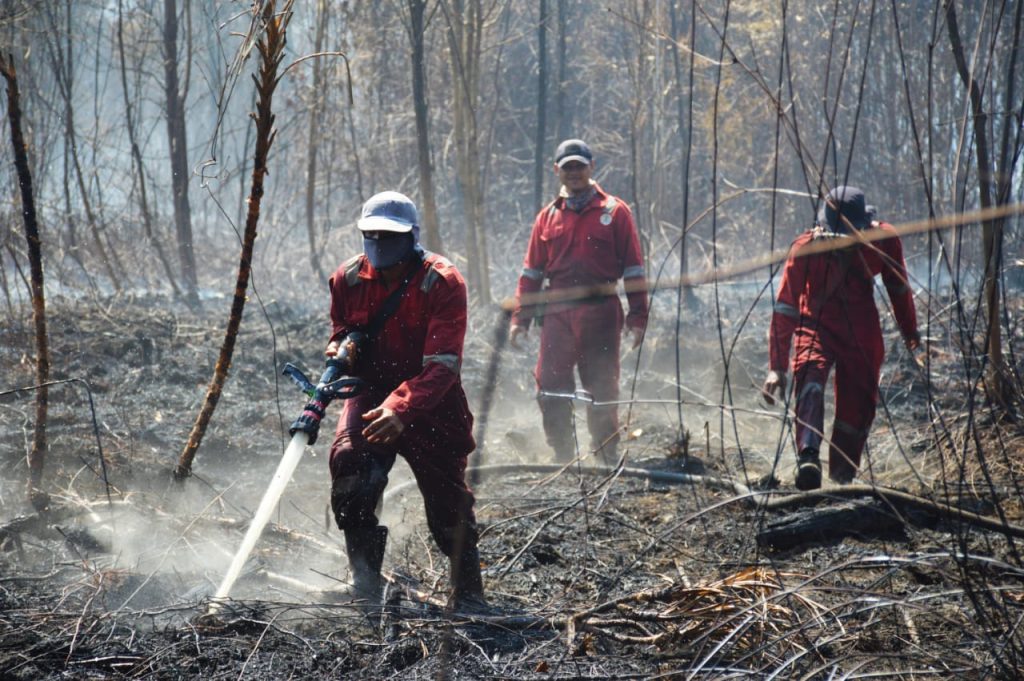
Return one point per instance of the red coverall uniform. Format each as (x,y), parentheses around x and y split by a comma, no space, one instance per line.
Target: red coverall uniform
(826,309)
(598,245)
(411,366)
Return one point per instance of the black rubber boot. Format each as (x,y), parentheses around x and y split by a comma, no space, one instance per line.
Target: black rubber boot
(808,470)
(365,549)
(564,452)
(467,583)
(843,476)
(609,454)
(556,417)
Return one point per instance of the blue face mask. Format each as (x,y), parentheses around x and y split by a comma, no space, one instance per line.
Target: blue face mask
(389,251)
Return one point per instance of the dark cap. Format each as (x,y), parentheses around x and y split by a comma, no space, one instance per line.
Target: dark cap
(844,206)
(573,150)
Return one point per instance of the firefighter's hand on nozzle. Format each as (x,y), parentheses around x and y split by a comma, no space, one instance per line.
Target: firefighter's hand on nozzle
(515,332)
(346,351)
(384,427)
(775,381)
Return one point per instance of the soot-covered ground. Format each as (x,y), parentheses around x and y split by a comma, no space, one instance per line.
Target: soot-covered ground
(595,573)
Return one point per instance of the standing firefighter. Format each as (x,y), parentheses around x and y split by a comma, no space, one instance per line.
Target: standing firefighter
(399,314)
(826,310)
(583,242)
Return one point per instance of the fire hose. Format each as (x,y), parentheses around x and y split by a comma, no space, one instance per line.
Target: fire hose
(334,384)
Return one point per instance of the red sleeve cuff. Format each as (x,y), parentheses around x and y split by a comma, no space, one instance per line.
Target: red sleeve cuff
(400,406)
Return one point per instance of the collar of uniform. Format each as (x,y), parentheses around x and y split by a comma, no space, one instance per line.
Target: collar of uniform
(563,193)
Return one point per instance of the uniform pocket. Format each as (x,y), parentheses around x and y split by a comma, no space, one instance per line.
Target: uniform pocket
(601,238)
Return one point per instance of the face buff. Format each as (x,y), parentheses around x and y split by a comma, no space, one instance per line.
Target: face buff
(390,250)
(577,202)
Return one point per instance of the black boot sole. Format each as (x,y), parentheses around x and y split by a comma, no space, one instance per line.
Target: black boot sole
(808,477)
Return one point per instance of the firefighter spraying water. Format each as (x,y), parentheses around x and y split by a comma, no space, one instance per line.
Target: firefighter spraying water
(398,317)
(412,306)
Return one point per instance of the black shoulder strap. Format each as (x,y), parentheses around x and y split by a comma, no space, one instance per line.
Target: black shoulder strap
(394,299)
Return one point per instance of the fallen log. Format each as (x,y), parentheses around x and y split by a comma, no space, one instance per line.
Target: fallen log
(871,519)
(898,500)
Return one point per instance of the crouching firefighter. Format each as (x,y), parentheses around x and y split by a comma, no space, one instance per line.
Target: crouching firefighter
(398,319)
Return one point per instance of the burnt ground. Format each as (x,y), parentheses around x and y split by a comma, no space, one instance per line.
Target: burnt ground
(594,574)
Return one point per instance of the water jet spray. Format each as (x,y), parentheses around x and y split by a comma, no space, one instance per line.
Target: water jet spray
(334,384)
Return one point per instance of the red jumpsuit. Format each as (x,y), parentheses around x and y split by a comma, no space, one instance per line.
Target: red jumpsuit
(411,366)
(599,245)
(826,309)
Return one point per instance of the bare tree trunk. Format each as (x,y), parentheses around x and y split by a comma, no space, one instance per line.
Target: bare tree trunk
(639,147)
(271,48)
(539,143)
(354,142)
(177,140)
(4,282)
(465,32)
(428,200)
(315,109)
(74,249)
(73,246)
(564,111)
(37,456)
(684,126)
(137,165)
(992,230)
(62,61)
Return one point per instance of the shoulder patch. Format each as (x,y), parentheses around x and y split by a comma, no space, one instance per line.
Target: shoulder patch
(352,267)
(439,267)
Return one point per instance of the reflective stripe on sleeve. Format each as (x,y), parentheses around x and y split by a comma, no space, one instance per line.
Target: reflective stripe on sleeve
(787,310)
(450,361)
(633,272)
(536,275)
(428,281)
(352,270)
